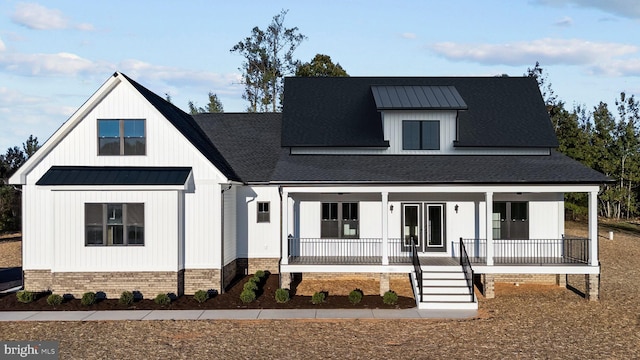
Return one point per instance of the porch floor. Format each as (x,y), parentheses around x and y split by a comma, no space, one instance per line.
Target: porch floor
(545,261)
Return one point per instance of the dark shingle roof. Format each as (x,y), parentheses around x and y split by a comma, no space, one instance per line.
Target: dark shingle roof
(249,141)
(390,97)
(114,175)
(438,169)
(502,111)
(188,127)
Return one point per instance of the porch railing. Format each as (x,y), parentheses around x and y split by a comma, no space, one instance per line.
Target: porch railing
(466,268)
(416,266)
(363,251)
(530,251)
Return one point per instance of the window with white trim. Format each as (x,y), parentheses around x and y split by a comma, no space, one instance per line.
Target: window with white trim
(121,137)
(263,212)
(114,224)
(339,220)
(421,135)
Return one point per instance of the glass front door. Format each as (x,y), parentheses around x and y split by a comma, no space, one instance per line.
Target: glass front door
(424,225)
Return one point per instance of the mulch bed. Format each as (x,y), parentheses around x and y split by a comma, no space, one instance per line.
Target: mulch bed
(229,300)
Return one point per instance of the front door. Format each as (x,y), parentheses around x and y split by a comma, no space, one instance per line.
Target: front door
(423,224)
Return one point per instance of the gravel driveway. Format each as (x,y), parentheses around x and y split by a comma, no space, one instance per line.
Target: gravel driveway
(525,322)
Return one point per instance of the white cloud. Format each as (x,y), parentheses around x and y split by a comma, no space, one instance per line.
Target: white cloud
(10,97)
(2,46)
(142,71)
(548,51)
(409,35)
(564,22)
(627,67)
(52,64)
(37,17)
(623,8)
(85,27)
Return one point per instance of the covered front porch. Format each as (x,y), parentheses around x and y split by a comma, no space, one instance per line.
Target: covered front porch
(376,225)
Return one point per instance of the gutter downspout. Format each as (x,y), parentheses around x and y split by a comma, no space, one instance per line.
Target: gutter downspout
(222,191)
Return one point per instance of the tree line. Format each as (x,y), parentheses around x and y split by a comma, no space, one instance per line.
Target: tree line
(10,195)
(603,138)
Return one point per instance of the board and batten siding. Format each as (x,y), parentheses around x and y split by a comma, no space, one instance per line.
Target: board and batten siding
(165,146)
(254,239)
(160,251)
(545,214)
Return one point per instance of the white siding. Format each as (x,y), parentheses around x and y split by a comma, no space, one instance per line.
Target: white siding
(165,146)
(392,125)
(162,233)
(258,240)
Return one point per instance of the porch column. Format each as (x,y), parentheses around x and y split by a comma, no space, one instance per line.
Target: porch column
(385,226)
(285,227)
(489,226)
(593,228)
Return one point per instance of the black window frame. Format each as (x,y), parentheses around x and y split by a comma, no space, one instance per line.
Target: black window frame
(263,212)
(334,215)
(114,224)
(123,140)
(422,142)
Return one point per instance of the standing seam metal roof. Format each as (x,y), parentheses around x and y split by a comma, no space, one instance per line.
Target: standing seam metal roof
(389,97)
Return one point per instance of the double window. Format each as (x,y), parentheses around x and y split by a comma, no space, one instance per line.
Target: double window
(421,135)
(121,137)
(263,212)
(510,220)
(114,224)
(339,220)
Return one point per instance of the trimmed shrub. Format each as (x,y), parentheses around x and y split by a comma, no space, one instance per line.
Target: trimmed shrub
(282,295)
(355,296)
(318,298)
(88,298)
(54,299)
(25,296)
(162,299)
(201,296)
(250,285)
(261,274)
(247,296)
(256,279)
(390,298)
(126,298)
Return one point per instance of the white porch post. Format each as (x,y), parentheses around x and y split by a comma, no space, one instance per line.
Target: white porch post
(385,225)
(593,228)
(489,226)
(285,227)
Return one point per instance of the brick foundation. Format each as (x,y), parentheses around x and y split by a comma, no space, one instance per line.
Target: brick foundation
(592,286)
(488,285)
(201,279)
(149,284)
(541,279)
(229,272)
(384,283)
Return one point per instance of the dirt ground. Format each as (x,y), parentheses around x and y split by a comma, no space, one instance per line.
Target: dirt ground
(10,251)
(525,322)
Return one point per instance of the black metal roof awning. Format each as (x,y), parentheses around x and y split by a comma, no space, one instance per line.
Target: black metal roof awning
(428,97)
(114,175)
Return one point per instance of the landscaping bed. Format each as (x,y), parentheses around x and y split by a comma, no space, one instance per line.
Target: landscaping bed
(265,299)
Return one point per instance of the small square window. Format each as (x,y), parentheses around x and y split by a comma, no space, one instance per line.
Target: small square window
(121,137)
(421,135)
(263,212)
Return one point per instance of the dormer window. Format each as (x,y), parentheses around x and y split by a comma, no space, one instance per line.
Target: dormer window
(421,135)
(121,137)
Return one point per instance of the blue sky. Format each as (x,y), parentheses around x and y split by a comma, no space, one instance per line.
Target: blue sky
(55,54)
